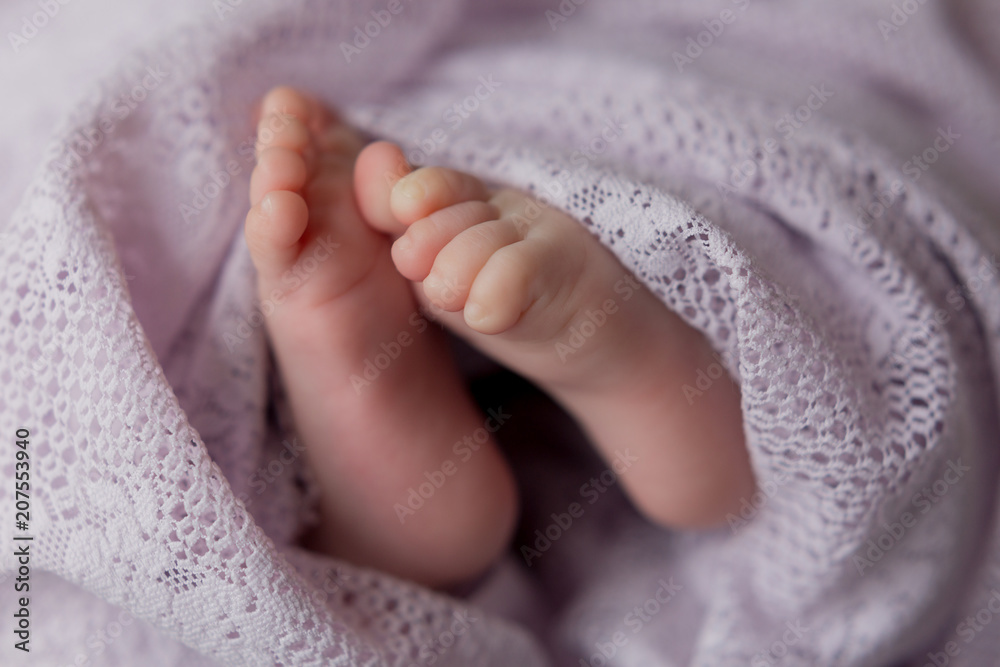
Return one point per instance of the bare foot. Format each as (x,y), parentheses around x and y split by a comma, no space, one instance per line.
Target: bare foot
(530,287)
(374,393)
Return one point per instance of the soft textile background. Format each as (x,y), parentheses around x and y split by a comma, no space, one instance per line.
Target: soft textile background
(866,346)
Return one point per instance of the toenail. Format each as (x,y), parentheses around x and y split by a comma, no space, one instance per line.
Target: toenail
(474,313)
(403,243)
(411,188)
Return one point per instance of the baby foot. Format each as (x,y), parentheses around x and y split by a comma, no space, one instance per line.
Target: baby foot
(371,431)
(532,288)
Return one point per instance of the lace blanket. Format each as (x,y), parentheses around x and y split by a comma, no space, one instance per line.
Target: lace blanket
(722,150)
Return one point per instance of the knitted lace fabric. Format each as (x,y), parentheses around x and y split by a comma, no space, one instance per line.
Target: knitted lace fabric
(851,292)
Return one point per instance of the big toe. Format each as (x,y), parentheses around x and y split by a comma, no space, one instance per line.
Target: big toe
(379,167)
(392,196)
(430,189)
(290,102)
(274,227)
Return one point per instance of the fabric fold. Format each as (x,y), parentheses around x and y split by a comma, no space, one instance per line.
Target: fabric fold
(849,300)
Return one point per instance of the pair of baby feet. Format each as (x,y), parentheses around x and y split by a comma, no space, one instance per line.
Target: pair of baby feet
(356,247)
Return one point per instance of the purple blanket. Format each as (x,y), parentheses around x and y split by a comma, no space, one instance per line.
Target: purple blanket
(812,185)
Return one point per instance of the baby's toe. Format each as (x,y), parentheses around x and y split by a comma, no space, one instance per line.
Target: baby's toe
(285,101)
(273,230)
(278,168)
(391,196)
(531,281)
(430,189)
(379,167)
(415,251)
(458,265)
(281,130)
(291,121)
(504,289)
